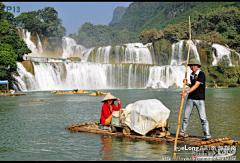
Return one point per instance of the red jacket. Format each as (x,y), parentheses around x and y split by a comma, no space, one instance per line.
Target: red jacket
(106,111)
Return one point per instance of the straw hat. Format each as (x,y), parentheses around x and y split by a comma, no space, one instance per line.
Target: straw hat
(194,62)
(109,97)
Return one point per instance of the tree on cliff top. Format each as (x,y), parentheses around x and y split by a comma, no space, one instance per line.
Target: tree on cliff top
(46,23)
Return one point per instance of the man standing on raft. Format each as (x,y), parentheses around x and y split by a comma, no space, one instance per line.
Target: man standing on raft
(196,97)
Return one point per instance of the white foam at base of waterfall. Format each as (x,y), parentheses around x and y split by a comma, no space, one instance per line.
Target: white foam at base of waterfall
(80,75)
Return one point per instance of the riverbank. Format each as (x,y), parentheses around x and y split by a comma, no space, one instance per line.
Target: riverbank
(12,94)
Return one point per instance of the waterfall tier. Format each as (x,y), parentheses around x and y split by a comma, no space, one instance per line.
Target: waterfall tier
(71,49)
(219,51)
(166,76)
(108,67)
(26,36)
(127,53)
(68,76)
(179,52)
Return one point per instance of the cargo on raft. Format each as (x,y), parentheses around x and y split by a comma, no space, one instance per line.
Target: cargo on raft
(147,120)
(154,135)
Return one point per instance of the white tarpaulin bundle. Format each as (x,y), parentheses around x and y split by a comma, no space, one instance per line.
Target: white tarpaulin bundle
(145,115)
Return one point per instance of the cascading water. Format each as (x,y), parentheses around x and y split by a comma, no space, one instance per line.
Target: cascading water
(103,54)
(219,52)
(166,76)
(135,53)
(178,50)
(39,45)
(26,81)
(193,49)
(80,75)
(108,67)
(36,50)
(71,49)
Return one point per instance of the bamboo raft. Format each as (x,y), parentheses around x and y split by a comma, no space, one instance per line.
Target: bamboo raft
(93,127)
(12,94)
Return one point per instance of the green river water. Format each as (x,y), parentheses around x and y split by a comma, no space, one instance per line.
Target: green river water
(32,131)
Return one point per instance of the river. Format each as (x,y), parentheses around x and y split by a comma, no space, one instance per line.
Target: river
(35,131)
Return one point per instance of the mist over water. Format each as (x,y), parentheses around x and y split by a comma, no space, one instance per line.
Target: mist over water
(82,75)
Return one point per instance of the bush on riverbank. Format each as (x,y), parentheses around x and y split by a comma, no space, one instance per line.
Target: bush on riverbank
(230,77)
(233,85)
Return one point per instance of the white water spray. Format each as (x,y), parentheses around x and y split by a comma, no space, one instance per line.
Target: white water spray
(36,50)
(71,49)
(166,76)
(178,50)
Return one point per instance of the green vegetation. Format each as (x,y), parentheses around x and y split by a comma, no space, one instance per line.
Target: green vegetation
(91,35)
(220,26)
(45,23)
(12,48)
(138,14)
(229,78)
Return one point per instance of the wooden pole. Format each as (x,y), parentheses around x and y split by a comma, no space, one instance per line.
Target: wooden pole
(180,111)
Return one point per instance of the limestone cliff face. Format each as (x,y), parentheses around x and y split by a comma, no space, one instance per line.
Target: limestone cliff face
(28,66)
(118,14)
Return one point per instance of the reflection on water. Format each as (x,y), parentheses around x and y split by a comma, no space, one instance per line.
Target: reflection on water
(32,131)
(123,149)
(106,148)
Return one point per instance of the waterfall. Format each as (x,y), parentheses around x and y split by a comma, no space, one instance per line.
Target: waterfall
(108,67)
(135,53)
(103,54)
(219,52)
(26,36)
(130,53)
(193,49)
(166,76)
(130,76)
(39,45)
(36,50)
(25,80)
(178,52)
(71,49)
(80,75)
(117,51)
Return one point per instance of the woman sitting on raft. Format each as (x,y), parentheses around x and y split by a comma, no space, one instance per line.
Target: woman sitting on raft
(107,109)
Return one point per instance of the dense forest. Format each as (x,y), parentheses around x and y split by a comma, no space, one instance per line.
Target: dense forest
(91,35)
(12,47)
(220,26)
